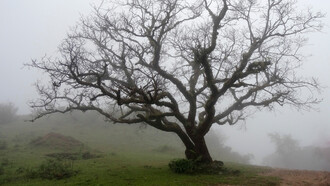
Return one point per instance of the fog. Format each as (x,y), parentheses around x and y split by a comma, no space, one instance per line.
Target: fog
(289,154)
(31,29)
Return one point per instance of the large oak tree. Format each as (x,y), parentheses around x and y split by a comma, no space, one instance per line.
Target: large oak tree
(180,66)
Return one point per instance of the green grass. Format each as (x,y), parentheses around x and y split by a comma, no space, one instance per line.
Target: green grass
(123,160)
(131,169)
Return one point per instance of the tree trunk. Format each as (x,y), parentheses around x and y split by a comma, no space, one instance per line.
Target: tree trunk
(202,151)
(199,151)
(195,148)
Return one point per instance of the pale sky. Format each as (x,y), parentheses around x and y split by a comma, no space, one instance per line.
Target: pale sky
(29,29)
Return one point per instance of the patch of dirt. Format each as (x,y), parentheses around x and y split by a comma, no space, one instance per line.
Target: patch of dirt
(300,177)
(57,141)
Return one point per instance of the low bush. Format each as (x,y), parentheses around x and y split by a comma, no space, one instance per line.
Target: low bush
(52,169)
(215,167)
(183,166)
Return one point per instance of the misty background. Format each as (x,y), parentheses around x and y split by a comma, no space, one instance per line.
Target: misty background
(31,29)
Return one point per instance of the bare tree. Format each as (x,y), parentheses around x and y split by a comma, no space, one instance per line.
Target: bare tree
(181,66)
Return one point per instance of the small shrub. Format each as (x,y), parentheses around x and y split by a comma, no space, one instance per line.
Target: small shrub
(183,166)
(52,169)
(215,167)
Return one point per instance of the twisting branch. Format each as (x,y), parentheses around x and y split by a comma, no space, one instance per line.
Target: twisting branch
(180,66)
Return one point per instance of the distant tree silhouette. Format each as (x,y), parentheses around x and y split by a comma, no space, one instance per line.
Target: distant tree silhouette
(7,112)
(289,154)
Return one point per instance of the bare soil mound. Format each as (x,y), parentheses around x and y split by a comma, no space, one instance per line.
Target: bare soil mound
(57,141)
(300,177)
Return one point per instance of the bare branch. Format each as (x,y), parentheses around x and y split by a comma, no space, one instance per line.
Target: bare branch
(181,66)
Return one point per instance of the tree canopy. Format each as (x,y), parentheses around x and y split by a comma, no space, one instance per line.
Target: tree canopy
(181,66)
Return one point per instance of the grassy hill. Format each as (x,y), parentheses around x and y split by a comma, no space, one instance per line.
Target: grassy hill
(109,155)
